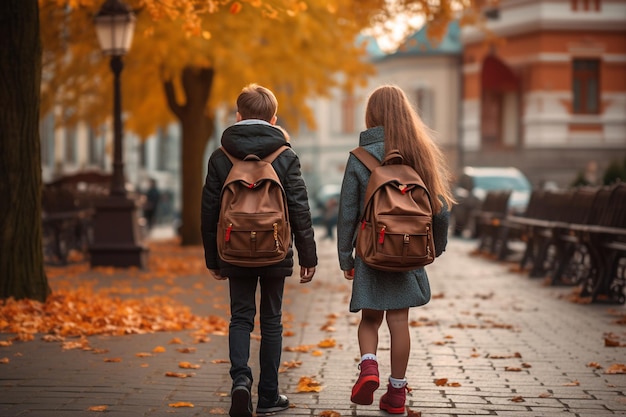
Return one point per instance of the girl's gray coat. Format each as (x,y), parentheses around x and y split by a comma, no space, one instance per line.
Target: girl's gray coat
(373,289)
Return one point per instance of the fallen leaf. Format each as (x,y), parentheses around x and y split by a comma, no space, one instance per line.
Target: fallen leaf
(574,383)
(98,408)
(329,413)
(317,353)
(186,350)
(594,365)
(4,360)
(308,384)
(518,399)
(143,354)
(188,365)
(176,341)
(512,369)
(181,404)
(220,361)
(441,382)
(158,349)
(113,360)
(327,343)
(411,413)
(616,368)
(178,375)
(545,395)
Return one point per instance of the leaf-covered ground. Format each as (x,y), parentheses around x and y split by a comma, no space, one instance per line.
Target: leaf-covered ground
(107,301)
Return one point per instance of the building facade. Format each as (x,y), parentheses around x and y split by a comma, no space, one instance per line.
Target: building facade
(544,89)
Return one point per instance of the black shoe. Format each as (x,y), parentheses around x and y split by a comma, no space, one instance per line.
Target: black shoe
(281,403)
(240,398)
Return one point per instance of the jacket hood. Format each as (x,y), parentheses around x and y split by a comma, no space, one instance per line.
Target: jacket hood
(241,140)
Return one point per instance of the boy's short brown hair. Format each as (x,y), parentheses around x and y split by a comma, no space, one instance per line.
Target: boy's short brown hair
(257,102)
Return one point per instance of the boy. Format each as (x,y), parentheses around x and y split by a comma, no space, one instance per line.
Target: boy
(255,133)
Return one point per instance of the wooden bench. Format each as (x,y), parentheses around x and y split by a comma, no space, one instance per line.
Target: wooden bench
(67,211)
(605,239)
(489,220)
(577,237)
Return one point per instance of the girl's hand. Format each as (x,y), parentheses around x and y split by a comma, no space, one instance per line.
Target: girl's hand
(349,275)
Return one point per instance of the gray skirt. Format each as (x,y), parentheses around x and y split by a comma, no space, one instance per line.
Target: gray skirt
(382,290)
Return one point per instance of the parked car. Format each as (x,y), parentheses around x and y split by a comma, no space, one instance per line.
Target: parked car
(472,187)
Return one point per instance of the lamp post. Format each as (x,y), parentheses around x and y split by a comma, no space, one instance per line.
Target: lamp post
(116,232)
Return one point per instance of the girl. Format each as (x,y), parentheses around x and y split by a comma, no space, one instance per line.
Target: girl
(391,124)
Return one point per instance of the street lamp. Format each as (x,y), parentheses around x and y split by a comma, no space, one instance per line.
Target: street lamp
(116,231)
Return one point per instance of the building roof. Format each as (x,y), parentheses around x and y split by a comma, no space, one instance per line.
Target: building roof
(419,44)
(371,46)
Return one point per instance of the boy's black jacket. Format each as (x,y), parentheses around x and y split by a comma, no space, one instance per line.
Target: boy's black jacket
(259,139)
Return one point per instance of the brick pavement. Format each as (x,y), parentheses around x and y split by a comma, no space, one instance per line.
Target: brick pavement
(482,319)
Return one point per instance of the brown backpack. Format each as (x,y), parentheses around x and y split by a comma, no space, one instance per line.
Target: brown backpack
(253,228)
(396,231)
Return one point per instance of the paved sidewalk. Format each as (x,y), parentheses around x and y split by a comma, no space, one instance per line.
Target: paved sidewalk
(497,343)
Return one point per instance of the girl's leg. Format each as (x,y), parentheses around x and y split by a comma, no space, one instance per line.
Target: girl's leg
(394,399)
(398,322)
(368,381)
(368,330)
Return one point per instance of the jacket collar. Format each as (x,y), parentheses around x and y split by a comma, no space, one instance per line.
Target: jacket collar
(372,135)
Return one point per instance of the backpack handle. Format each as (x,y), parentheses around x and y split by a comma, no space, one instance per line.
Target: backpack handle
(393,157)
(251,157)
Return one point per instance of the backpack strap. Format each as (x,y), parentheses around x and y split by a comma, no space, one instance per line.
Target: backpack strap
(366,158)
(270,158)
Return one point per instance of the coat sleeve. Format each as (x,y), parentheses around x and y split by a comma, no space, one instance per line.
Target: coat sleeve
(348,218)
(299,212)
(210,209)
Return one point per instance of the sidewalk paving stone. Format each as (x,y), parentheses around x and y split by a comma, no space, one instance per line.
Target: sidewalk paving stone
(481,320)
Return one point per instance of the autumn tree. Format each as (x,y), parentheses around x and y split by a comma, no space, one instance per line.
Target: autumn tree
(189,57)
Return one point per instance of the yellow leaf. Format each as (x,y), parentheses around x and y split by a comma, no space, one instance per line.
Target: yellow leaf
(158,349)
(308,384)
(181,404)
(98,408)
(178,375)
(188,365)
(327,343)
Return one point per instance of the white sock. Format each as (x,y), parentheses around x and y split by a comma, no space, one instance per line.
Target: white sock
(397,383)
(368,356)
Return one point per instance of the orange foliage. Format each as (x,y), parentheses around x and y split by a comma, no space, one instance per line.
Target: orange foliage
(79,308)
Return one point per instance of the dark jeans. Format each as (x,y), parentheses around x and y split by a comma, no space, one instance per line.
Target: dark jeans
(243,311)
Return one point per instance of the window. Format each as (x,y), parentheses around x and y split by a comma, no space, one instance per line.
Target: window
(348,108)
(71,155)
(162,153)
(425,105)
(586,86)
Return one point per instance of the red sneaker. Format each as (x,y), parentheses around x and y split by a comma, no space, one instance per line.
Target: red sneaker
(368,382)
(393,400)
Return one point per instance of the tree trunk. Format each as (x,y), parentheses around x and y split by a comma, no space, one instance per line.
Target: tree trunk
(22,273)
(196,131)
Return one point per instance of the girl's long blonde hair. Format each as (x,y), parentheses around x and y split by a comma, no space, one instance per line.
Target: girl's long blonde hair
(390,108)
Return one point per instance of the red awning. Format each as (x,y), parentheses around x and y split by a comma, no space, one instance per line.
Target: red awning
(497,76)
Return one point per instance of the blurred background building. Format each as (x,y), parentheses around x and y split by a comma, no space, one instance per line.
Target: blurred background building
(542,89)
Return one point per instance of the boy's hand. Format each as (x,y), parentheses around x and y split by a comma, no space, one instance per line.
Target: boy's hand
(215,273)
(349,275)
(306,274)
